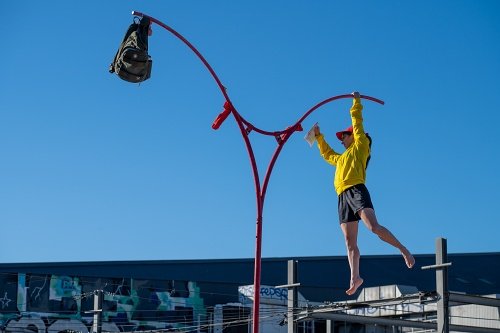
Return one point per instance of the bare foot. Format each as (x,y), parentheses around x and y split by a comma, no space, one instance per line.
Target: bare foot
(354,286)
(409,260)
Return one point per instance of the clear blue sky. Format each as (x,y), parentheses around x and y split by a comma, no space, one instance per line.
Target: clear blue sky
(95,168)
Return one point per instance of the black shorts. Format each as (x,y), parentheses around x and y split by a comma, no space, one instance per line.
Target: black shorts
(351,201)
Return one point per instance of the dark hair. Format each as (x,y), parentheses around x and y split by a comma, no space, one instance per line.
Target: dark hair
(370,145)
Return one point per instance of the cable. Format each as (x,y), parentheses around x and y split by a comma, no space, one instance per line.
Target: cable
(130,281)
(127,283)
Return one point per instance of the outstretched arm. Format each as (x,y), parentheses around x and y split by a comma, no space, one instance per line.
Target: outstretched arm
(328,154)
(357,117)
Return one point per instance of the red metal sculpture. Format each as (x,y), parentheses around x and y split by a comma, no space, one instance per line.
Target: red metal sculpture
(246,128)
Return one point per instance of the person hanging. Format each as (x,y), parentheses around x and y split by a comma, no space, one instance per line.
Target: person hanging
(354,202)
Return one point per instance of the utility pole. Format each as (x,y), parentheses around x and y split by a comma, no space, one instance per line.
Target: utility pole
(97,325)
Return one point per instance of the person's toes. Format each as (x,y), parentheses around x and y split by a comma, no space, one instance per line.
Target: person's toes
(409,259)
(354,286)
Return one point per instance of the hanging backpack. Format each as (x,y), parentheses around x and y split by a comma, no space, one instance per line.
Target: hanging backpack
(132,62)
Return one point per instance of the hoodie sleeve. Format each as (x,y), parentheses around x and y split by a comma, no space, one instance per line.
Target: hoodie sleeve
(360,138)
(328,154)
(357,119)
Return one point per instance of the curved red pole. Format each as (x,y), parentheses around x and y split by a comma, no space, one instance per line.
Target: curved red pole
(237,116)
(282,137)
(178,35)
(241,122)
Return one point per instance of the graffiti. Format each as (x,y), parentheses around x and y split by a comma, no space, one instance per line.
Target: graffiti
(5,301)
(61,325)
(274,293)
(52,303)
(35,294)
(118,290)
(268,295)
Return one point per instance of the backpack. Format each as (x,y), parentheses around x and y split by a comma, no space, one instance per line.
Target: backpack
(132,62)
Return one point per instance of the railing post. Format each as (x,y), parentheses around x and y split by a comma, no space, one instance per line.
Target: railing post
(97,324)
(443,318)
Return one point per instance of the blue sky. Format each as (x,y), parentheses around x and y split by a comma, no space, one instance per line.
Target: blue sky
(95,168)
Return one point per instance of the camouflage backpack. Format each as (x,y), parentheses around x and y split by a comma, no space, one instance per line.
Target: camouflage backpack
(132,62)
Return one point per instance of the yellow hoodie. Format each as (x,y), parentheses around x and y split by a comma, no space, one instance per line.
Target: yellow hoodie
(351,164)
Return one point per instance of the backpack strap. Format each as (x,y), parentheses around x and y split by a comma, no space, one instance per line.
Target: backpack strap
(143,32)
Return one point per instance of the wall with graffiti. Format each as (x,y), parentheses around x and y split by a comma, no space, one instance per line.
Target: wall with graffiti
(52,303)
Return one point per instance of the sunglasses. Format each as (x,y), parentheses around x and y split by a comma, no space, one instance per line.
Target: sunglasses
(345,135)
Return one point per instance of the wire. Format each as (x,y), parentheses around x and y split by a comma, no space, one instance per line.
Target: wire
(128,283)
(130,289)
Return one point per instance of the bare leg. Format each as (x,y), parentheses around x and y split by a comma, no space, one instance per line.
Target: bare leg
(350,230)
(370,220)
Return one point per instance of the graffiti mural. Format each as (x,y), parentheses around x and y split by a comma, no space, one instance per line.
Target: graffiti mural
(54,303)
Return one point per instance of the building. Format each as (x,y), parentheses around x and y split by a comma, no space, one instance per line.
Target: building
(188,294)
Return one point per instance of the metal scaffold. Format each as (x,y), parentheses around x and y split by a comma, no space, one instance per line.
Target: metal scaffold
(442,297)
